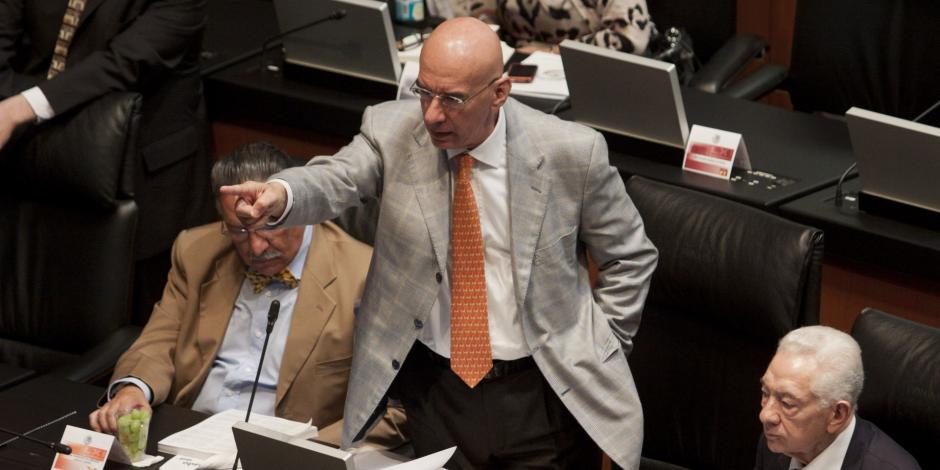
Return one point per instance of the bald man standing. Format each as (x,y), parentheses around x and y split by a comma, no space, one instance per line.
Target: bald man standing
(478,312)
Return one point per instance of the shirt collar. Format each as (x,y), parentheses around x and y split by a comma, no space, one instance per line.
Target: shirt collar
(832,456)
(492,151)
(296,265)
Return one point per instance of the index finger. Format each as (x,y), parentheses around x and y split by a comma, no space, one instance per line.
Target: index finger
(249,190)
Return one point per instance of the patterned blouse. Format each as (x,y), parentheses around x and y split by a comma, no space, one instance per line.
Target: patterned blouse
(623,25)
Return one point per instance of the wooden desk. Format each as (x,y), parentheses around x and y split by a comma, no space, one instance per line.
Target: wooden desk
(871,261)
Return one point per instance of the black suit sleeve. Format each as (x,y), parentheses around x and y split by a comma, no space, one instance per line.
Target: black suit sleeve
(11,31)
(152,44)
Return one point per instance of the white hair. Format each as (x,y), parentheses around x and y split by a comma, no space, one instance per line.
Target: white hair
(838,357)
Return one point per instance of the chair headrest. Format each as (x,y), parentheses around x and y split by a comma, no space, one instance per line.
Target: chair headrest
(902,381)
(742,267)
(80,157)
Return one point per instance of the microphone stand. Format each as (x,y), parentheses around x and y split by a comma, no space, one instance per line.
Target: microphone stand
(56,446)
(272,317)
(334,15)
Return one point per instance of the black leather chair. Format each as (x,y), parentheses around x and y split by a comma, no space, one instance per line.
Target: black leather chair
(731,281)
(902,381)
(723,53)
(882,55)
(66,242)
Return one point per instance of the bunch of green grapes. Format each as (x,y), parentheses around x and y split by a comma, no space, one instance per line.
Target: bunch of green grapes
(132,432)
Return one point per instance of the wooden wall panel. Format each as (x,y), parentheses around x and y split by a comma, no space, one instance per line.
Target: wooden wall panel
(848,287)
(227,136)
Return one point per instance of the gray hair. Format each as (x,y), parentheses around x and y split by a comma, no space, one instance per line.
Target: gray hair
(250,162)
(838,357)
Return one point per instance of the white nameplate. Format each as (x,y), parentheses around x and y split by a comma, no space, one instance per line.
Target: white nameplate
(89,449)
(713,152)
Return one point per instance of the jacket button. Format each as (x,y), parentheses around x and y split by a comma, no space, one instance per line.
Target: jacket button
(418,324)
(395,364)
(439,277)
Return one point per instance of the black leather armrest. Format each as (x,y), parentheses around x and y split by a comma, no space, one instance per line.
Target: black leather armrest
(98,363)
(732,56)
(762,81)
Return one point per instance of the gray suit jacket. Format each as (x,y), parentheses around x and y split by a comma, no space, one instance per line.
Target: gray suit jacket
(566,201)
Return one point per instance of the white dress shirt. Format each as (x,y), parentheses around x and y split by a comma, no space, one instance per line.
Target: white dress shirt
(490,182)
(831,457)
(40,104)
(228,385)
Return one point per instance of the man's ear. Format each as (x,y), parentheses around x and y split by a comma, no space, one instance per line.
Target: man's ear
(502,87)
(840,415)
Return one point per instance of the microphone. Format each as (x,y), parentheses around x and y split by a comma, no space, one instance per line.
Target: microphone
(273,311)
(56,446)
(335,15)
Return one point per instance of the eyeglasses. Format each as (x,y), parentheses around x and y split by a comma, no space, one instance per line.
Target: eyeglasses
(447,100)
(241,233)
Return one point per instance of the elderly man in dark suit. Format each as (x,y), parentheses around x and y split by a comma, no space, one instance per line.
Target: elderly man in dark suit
(809,396)
(56,55)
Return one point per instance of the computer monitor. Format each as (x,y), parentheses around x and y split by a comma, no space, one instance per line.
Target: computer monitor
(362,44)
(898,160)
(624,93)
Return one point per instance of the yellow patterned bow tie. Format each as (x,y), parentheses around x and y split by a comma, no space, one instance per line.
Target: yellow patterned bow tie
(260,281)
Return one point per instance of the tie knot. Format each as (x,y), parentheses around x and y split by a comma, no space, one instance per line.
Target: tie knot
(260,281)
(465,161)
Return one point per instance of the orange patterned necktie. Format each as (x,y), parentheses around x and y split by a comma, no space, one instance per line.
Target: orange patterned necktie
(260,281)
(470,354)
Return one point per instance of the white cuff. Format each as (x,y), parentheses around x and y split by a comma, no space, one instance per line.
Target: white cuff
(290,200)
(122,382)
(37,100)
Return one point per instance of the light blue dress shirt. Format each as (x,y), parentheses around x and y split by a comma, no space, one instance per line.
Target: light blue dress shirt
(233,370)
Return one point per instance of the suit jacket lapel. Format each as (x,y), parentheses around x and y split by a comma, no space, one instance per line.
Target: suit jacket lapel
(432,189)
(216,301)
(312,311)
(90,6)
(528,197)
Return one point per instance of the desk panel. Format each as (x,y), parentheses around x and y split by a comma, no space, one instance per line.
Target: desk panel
(46,398)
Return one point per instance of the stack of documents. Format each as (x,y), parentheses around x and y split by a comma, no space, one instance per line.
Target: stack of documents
(213,436)
(549,81)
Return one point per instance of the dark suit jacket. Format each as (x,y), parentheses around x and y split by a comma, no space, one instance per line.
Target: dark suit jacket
(146,46)
(869,449)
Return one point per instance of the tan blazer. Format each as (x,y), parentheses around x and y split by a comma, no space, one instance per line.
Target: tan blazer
(177,347)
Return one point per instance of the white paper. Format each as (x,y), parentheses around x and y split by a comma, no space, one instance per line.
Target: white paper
(372,459)
(549,81)
(181,462)
(214,434)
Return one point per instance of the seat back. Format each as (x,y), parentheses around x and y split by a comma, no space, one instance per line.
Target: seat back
(66,246)
(880,55)
(731,281)
(902,381)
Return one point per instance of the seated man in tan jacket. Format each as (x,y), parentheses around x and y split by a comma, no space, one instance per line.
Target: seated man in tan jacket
(201,347)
